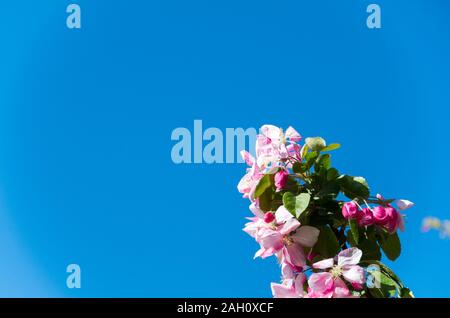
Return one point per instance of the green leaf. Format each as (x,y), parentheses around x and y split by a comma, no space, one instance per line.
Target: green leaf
(316,143)
(327,244)
(354,230)
(296,204)
(304,151)
(361,180)
(266,200)
(299,167)
(406,293)
(388,285)
(376,293)
(329,190)
(385,269)
(263,185)
(371,250)
(301,203)
(289,202)
(310,158)
(331,147)
(332,174)
(391,246)
(323,161)
(352,188)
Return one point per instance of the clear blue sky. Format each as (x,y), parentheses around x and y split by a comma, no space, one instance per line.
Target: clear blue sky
(86,116)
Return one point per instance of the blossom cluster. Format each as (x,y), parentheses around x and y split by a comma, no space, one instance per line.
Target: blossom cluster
(323,242)
(384,216)
(433,223)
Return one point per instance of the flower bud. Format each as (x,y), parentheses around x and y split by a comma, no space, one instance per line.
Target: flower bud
(269,217)
(350,210)
(380,215)
(365,217)
(281,178)
(393,219)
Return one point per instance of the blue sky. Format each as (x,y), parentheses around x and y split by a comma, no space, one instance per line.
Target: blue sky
(86,116)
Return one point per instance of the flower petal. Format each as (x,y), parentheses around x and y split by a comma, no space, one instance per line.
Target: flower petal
(354,274)
(404,204)
(285,290)
(293,254)
(340,289)
(282,215)
(292,134)
(324,264)
(256,210)
(350,256)
(321,282)
(306,236)
(289,226)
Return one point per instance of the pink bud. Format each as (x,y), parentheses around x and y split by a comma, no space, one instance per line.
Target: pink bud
(357,286)
(365,217)
(393,220)
(281,178)
(269,217)
(380,215)
(350,210)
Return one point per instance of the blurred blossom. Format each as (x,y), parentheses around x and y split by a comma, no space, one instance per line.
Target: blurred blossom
(433,223)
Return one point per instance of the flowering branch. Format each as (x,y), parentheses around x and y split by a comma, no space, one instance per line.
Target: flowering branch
(301,217)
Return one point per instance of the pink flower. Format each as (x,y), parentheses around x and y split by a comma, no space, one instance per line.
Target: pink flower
(285,236)
(365,217)
(292,135)
(350,210)
(330,283)
(256,210)
(394,220)
(273,147)
(281,178)
(250,180)
(388,218)
(380,216)
(290,287)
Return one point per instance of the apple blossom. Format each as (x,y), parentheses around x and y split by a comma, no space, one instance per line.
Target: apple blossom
(330,284)
(306,224)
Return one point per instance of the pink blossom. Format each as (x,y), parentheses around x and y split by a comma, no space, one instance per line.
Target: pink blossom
(281,178)
(365,217)
(330,283)
(256,210)
(290,287)
(350,210)
(292,135)
(323,285)
(284,235)
(255,225)
(389,218)
(250,180)
(395,220)
(380,216)
(273,147)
